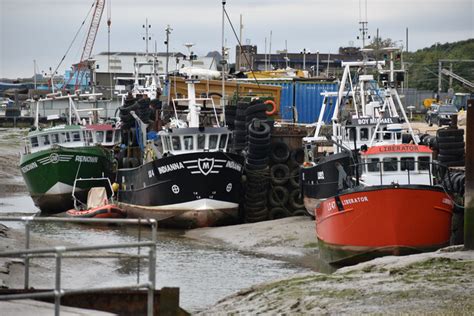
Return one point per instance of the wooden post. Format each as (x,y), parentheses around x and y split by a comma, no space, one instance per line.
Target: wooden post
(469,186)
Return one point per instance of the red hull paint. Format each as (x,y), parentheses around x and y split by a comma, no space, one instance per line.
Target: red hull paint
(390,218)
(106,211)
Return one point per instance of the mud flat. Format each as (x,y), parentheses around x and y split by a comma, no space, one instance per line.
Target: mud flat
(437,283)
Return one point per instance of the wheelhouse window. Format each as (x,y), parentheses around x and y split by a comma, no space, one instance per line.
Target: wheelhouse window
(76,136)
(45,139)
(352,134)
(364,133)
(109,136)
(176,143)
(54,138)
(223,141)
(373,165)
(34,141)
(407,163)
(99,136)
(66,137)
(390,164)
(117,136)
(88,136)
(424,163)
(201,141)
(188,142)
(213,141)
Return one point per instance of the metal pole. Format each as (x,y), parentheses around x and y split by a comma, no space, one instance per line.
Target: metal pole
(152,268)
(317,63)
(27,256)
(469,185)
(450,77)
(57,290)
(223,57)
(439,77)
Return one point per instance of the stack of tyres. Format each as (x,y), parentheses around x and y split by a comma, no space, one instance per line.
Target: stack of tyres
(284,195)
(450,143)
(240,132)
(257,110)
(256,166)
(454,183)
(230,112)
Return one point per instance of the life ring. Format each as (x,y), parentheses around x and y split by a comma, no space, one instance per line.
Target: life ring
(274,107)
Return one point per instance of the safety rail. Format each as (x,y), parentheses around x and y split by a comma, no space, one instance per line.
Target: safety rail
(59,252)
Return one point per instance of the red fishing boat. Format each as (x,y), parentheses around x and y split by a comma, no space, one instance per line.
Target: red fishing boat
(396,208)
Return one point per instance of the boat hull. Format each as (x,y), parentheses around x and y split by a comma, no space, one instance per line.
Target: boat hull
(186,191)
(385,220)
(49,174)
(105,211)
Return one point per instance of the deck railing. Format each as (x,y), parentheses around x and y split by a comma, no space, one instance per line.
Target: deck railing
(60,252)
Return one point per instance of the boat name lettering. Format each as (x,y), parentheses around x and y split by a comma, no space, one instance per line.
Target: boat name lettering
(170,167)
(393,148)
(358,199)
(234,165)
(87,159)
(29,167)
(385,120)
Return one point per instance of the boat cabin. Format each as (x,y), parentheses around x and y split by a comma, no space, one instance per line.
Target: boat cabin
(362,130)
(187,140)
(397,164)
(71,136)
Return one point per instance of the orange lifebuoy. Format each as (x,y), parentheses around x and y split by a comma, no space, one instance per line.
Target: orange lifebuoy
(274,107)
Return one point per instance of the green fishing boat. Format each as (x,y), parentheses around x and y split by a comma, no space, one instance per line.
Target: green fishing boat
(54,157)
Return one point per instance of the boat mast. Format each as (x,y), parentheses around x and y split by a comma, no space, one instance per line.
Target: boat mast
(223,62)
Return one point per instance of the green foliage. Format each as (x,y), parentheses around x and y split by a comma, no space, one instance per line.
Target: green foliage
(423,65)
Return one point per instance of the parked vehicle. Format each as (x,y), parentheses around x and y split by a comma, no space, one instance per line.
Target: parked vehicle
(440,114)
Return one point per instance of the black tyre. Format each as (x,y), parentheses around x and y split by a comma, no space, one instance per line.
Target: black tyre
(280,174)
(295,199)
(278,196)
(300,212)
(297,157)
(450,139)
(447,158)
(259,140)
(295,178)
(256,109)
(450,145)
(280,152)
(259,129)
(259,148)
(452,151)
(278,212)
(259,162)
(252,167)
(449,132)
(457,163)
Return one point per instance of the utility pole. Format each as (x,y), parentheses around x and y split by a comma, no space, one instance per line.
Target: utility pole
(469,185)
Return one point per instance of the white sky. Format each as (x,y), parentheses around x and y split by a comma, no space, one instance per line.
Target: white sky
(42,30)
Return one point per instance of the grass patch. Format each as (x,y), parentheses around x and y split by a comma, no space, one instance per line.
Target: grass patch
(311,245)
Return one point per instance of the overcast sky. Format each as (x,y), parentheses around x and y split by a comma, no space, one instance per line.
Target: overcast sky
(42,30)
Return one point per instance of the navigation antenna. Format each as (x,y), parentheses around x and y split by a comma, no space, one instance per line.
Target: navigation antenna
(363,24)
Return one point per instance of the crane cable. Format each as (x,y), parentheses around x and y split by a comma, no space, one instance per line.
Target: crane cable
(74,39)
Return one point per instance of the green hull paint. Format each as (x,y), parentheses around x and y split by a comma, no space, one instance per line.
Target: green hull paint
(50,174)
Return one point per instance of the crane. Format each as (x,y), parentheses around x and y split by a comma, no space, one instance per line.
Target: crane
(80,67)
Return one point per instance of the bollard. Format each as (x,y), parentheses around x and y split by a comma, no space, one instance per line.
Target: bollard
(469,185)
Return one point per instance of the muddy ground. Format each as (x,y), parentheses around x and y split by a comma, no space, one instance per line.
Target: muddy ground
(439,283)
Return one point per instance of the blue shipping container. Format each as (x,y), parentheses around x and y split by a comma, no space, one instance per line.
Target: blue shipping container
(308,100)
